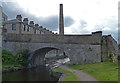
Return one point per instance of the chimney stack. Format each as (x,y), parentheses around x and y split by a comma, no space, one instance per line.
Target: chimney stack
(31,23)
(61,21)
(40,26)
(25,21)
(36,26)
(19,17)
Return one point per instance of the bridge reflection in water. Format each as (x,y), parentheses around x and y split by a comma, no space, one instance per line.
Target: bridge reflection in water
(40,73)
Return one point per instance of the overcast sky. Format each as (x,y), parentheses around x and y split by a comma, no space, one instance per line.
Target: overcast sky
(80,16)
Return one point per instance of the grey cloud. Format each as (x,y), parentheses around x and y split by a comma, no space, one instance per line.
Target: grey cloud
(68,21)
(81,27)
(83,23)
(111,23)
(108,22)
(80,30)
(50,22)
(11,9)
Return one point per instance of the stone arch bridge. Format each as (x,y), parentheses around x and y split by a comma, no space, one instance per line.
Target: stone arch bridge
(81,49)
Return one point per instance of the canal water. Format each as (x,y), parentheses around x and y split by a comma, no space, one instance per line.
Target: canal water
(40,73)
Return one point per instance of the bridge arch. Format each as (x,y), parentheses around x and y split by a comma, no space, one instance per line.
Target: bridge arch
(37,56)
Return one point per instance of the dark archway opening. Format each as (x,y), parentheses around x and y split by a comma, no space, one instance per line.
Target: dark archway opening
(48,56)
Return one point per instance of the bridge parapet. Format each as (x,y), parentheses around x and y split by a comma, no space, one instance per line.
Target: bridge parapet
(94,38)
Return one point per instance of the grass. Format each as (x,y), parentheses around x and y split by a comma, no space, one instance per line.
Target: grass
(70,76)
(106,71)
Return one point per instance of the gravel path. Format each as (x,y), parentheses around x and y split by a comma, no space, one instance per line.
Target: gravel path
(81,75)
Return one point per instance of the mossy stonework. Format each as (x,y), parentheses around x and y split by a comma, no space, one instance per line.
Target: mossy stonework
(109,49)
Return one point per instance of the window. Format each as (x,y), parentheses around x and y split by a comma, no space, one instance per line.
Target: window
(13,26)
(3,19)
(4,26)
(27,28)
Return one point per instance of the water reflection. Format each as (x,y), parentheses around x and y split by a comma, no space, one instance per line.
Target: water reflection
(40,73)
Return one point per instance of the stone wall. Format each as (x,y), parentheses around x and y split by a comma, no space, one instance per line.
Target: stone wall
(84,54)
(109,45)
(9,28)
(81,49)
(78,53)
(66,39)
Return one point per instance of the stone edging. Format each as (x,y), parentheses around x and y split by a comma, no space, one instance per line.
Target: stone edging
(62,77)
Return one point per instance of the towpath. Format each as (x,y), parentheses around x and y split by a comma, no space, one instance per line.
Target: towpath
(81,75)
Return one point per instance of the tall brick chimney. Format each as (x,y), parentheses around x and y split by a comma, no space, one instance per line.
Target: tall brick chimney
(61,21)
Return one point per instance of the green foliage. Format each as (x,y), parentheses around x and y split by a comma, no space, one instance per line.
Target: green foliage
(90,49)
(29,40)
(61,56)
(10,61)
(8,58)
(110,56)
(23,57)
(65,56)
(118,58)
(106,71)
(101,40)
(51,73)
(118,46)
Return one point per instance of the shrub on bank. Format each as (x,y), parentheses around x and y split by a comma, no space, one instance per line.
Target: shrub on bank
(13,62)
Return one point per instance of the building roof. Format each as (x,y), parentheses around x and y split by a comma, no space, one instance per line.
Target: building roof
(4,15)
(12,21)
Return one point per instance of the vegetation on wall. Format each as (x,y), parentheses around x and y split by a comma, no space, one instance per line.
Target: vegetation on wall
(13,62)
(118,46)
(118,57)
(110,56)
(118,52)
(23,57)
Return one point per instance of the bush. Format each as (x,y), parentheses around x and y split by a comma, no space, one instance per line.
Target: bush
(7,57)
(18,60)
(118,58)
(23,57)
(110,56)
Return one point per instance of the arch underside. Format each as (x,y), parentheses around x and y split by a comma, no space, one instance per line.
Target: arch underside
(39,55)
